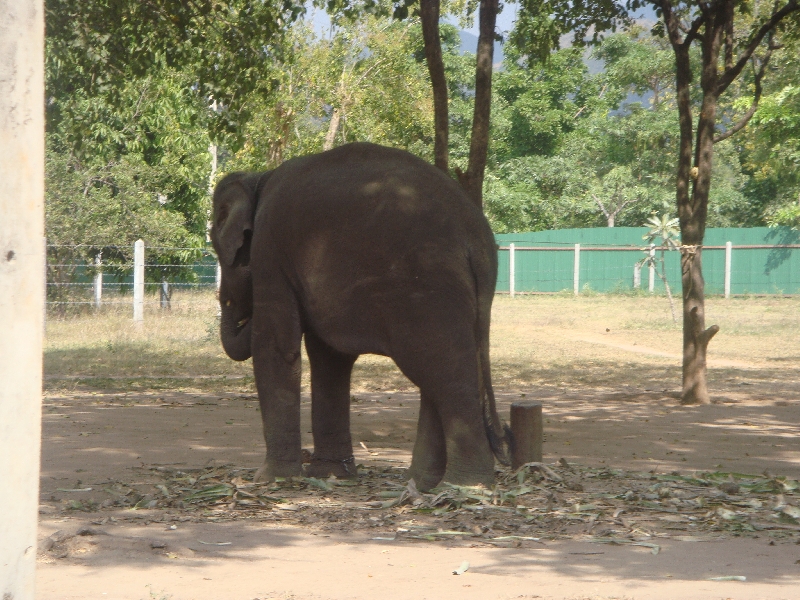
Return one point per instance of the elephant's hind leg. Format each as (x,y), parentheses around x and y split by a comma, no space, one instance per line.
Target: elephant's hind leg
(429,458)
(451,426)
(330,410)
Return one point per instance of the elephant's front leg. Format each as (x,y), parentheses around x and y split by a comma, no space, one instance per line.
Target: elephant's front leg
(276,364)
(330,410)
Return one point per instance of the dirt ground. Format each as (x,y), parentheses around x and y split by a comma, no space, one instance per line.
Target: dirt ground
(146,486)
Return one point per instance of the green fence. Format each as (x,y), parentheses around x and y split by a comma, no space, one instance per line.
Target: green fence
(760,260)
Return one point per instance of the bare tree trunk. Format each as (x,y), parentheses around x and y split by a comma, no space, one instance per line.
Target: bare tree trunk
(333,127)
(283,116)
(429,16)
(472,180)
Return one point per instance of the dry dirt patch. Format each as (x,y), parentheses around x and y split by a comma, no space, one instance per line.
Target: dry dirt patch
(151,437)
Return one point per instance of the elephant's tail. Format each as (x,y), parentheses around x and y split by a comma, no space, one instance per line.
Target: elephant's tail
(499,433)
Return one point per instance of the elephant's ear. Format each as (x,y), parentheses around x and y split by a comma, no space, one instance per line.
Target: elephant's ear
(235,199)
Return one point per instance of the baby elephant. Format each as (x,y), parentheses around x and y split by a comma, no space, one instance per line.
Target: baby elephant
(361,249)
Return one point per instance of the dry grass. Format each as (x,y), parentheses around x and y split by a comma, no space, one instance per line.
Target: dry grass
(609,342)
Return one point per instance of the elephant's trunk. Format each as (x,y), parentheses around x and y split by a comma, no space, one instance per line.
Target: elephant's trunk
(235,332)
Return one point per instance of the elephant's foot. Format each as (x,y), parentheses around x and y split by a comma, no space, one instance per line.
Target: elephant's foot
(325,467)
(484,477)
(272,469)
(425,479)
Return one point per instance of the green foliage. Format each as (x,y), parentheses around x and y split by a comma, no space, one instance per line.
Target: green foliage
(770,145)
(225,46)
(367,71)
(130,87)
(143,155)
(667,230)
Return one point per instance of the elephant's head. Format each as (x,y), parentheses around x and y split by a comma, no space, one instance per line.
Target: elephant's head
(235,199)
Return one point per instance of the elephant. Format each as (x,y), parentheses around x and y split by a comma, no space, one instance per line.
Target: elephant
(361,249)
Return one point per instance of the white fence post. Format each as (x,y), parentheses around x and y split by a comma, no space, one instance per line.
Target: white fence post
(652,283)
(218,278)
(21,289)
(728,252)
(98,280)
(512,270)
(576,274)
(637,276)
(138,281)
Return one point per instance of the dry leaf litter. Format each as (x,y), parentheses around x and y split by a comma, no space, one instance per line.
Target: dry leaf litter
(530,506)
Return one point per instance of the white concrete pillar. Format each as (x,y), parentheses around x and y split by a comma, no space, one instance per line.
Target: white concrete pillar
(651,284)
(98,281)
(138,281)
(728,253)
(576,271)
(22,289)
(512,270)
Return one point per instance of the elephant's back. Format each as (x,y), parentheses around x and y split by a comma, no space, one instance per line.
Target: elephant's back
(370,229)
(374,191)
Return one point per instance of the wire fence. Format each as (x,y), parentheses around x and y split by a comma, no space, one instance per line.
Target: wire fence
(83,278)
(735,261)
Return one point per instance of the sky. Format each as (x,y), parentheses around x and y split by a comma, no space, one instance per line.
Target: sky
(505,20)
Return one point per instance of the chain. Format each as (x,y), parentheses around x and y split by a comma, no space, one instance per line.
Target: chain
(348,463)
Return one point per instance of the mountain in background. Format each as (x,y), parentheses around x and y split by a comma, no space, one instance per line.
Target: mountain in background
(469,44)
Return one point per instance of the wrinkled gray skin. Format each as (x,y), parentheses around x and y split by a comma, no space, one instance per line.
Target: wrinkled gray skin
(361,250)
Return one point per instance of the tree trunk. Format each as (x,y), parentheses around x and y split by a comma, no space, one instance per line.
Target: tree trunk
(472,180)
(693,209)
(333,127)
(429,16)
(712,21)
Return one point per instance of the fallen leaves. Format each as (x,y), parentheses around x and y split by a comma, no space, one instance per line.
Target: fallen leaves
(534,503)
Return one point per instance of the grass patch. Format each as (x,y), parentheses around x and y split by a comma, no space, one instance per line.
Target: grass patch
(558,341)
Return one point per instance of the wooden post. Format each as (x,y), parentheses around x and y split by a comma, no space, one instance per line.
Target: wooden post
(728,253)
(138,281)
(511,270)
(22,289)
(165,294)
(527,430)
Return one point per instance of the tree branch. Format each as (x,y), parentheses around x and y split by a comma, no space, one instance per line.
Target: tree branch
(729,35)
(429,17)
(754,106)
(733,72)
(603,208)
(691,35)
(672,23)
